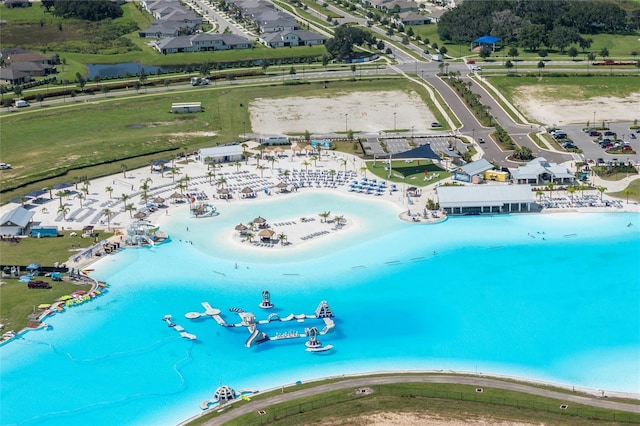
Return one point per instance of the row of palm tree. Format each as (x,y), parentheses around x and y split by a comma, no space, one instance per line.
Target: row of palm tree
(571,189)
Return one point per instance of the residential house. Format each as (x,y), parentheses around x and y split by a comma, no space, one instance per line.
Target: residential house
(413,18)
(292,38)
(202,43)
(539,171)
(278,25)
(12,77)
(164,29)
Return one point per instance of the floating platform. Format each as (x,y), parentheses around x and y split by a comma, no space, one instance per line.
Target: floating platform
(320,348)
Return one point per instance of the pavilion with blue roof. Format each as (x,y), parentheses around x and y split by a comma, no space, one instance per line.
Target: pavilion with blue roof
(487,40)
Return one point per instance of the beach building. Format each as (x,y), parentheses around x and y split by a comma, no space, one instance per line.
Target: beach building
(220,154)
(472,172)
(539,171)
(485,199)
(16,222)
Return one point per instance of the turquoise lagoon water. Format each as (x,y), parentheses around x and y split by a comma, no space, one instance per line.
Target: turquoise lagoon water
(494,298)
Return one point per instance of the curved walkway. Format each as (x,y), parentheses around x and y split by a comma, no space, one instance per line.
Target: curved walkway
(454,379)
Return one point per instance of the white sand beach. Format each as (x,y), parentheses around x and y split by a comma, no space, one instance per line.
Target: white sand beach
(297,232)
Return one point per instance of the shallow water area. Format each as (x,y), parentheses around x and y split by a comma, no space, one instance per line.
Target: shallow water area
(549,297)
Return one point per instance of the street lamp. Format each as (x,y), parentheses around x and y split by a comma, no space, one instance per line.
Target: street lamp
(346,123)
(594,119)
(394,121)
(473,134)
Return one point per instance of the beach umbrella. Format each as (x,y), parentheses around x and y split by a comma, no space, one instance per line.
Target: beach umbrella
(241,227)
(281,185)
(278,149)
(176,195)
(247,190)
(158,200)
(140,215)
(260,220)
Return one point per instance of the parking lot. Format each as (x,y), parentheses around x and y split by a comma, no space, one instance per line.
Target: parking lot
(439,144)
(592,150)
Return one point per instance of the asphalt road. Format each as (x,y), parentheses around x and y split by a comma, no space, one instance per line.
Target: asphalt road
(566,398)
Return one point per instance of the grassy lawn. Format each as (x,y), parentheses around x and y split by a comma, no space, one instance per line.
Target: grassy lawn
(458,402)
(409,172)
(51,144)
(633,195)
(16,300)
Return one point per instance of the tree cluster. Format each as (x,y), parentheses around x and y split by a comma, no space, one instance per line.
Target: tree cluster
(345,37)
(89,10)
(536,23)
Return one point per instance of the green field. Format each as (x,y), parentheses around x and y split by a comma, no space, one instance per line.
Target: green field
(574,87)
(66,142)
(417,400)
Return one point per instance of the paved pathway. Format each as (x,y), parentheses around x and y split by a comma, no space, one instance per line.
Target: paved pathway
(455,379)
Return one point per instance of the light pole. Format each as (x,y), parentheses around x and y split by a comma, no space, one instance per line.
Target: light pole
(412,127)
(422,74)
(346,123)
(594,119)
(473,134)
(394,121)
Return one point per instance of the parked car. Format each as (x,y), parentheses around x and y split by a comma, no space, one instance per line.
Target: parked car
(21,103)
(595,133)
(436,124)
(38,284)
(632,136)
(5,166)
(476,68)
(627,148)
(610,133)
(481,140)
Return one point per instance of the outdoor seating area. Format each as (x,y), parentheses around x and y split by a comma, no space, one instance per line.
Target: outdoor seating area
(370,186)
(587,200)
(299,178)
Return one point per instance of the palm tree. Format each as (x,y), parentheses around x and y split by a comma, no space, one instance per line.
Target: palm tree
(261,168)
(80,196)
(602,189)
(363,170)
(145,197)
(210,175)
(324,216)
(248,236)
(174,171)
(286,173)
(186,180)
(63,210)
(129,208)
(306,165)
(272,160)
(282,237)
(124,198)
(343,163)
(539,194)
(332,173)
(60,194)
(181,186)
(123,167)
(550,186)
(314,158)
(108,213)
(571,190)
(221,182)
(338,221)
(628,192)
(50,189)
(237,164)
(109,189)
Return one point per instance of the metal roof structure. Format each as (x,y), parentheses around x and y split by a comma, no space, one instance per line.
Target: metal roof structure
(477,167)
(484,195)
